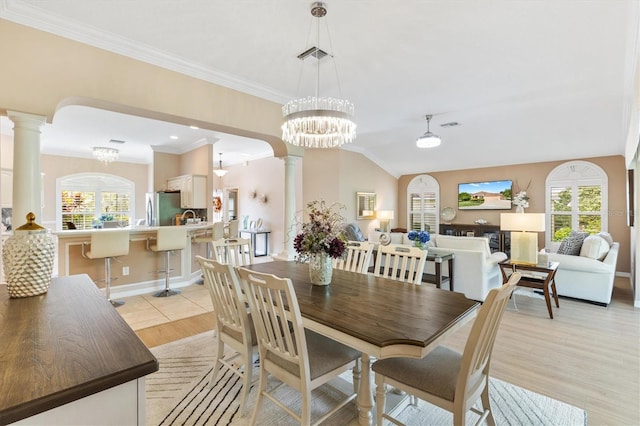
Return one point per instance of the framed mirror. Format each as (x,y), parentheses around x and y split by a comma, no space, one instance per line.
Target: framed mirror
(365,205)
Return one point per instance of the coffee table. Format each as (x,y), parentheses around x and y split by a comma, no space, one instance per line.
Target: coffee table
(534,276)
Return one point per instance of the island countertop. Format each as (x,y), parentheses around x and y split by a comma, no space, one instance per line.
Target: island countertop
(62,346)
(133,230)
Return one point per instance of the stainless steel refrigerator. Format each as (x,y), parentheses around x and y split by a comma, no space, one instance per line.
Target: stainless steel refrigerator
(162,208)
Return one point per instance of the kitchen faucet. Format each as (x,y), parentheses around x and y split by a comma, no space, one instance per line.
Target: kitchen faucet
(187,211)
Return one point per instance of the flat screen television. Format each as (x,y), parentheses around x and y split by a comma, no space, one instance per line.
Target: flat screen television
(487,195)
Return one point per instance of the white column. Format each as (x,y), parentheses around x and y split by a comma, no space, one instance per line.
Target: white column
(289,208)
(27,180)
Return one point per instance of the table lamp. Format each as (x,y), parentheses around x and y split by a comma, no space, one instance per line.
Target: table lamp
(524,238)
(384,216)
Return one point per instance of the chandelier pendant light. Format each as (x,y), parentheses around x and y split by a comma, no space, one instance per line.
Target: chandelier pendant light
(314,121)
(428,140)
(105,154)
(220,171)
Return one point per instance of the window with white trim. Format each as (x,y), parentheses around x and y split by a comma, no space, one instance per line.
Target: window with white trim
(423,201)
(576,199)
(87,200)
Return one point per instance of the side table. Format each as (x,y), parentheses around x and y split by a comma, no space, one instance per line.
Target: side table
(253,234)
(534,276)
(438,256)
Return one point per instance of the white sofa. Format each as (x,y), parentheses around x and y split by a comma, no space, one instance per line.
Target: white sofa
(586,278)
(475,268)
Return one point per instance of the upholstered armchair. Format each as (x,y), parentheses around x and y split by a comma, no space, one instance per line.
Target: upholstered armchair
(352,232)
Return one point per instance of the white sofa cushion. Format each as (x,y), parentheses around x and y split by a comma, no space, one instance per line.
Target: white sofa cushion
(465,243)
(607,237)
(594,247)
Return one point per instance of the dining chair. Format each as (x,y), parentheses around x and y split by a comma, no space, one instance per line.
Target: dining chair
(400,262)
(233,324)
(235,251)
(299,358)
(357,257)
(446,378)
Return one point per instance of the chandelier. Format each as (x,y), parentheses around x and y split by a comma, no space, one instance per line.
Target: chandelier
(220,171)
(104,154)
(314,121)
(428,140)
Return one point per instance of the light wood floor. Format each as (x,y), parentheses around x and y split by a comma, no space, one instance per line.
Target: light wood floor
(587,356)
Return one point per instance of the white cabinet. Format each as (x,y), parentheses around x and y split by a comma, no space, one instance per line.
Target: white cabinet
(193,190)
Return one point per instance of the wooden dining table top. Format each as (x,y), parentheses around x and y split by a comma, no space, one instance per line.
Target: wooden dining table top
(376,310)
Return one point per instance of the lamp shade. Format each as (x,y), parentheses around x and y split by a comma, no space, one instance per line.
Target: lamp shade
(385,214)
(529,222)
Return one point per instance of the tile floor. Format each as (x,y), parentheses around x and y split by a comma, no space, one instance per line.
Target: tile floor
(147,311)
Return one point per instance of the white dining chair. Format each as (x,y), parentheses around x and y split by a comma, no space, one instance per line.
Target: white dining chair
(357,257)
(446,378)
(299,358)
(235,251)
(233,324)
(400,262)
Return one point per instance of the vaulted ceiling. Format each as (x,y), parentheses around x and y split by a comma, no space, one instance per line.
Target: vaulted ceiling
(526,81)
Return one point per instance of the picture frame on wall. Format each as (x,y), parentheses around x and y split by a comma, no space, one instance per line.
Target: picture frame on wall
(365,205)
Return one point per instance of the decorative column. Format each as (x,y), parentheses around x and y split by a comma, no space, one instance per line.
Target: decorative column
(27,181)
(289,208)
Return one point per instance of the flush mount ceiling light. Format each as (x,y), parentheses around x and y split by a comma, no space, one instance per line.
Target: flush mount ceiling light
(220,171)
(314,121)
(104,154)
(428,140)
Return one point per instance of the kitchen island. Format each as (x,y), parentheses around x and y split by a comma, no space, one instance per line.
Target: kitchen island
(136,273)
(69,358)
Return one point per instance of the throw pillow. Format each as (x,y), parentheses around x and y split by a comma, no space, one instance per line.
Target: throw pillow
(573,243)
(594,247)
(607,237)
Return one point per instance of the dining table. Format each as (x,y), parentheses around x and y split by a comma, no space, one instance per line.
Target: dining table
(380,317)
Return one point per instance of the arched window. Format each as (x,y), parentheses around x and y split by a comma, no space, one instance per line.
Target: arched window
(88,200)
(423,195)
(576,199)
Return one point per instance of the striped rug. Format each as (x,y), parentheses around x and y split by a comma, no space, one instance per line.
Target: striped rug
(178,395)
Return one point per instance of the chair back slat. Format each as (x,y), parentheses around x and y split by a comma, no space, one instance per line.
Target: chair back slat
(226,294)
(357,259)
(234,251)
(401,263)
(477,352)
(277,319)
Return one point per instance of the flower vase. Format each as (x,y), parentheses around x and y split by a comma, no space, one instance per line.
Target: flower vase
(320,268)
(417,243)
(519,209)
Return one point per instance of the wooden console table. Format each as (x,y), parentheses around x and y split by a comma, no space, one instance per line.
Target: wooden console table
(253,234)
(498,240)
(67,355)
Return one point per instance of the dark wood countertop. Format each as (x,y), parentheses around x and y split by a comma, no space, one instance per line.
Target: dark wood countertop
(62,346)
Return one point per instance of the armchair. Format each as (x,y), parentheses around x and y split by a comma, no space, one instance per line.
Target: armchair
(476,270)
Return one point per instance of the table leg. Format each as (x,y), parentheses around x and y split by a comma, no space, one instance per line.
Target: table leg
(555,292)
(438,274)
(547,297)
(450,274)
(365,396)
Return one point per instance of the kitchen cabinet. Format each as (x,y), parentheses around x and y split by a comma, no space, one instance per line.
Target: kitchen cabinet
(193,190)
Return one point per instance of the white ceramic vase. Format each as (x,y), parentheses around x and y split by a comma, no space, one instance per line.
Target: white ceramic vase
(519,209)
(320,269)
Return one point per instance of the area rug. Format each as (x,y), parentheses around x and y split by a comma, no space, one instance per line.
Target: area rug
(178,394)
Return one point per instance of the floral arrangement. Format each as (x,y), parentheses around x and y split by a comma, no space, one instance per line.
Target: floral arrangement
(521,200)
(322,233)
(419,238)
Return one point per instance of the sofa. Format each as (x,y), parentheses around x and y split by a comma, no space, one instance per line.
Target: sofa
(475,268)
(588,275)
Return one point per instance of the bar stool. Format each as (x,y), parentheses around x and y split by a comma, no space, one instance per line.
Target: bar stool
(233,229)
(168,239)
(107,245)
(217,232)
